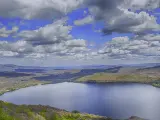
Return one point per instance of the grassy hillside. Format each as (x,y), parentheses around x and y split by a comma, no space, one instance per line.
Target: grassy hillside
(10,111)
(127,74)
(114,77)
(7,85)
(13,112)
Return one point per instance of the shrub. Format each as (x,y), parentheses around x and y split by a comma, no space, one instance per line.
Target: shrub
(75,111)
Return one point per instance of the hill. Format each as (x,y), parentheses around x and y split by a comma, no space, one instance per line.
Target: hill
(150,75)
(10,111)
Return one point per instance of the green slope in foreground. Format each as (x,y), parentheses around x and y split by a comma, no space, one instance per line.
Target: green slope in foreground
(10,111)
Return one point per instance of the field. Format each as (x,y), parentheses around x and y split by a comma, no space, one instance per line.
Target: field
(111,77)
(11,84)
(147,75)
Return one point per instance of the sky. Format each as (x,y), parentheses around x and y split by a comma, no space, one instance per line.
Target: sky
(79,32)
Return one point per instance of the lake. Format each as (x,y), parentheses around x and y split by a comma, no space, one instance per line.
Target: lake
(111,100)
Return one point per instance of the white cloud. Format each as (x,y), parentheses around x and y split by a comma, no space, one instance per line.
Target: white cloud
(76,43)
(131,22)
(118,18)
(120,40)
(51,40)
(155,43)
(131,48)
(8,53)
(148,37)
(55,41)
(5,33)
(87,20)
(56,32)
(25,49)
(143,4)
(37,9)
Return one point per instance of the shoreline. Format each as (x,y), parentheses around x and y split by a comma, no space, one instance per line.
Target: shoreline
(154,84)
(26,86)
(89,82)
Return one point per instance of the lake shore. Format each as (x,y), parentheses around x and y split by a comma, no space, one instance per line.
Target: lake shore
(154,84)
(120,78)
(89,81)
(20,86)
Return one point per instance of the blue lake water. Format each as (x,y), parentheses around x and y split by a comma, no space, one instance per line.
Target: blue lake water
(111,100)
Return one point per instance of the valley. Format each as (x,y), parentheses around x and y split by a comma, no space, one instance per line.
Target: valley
(16,77)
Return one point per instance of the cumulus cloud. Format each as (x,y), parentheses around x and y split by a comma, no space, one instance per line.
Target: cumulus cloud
(87,20)
(18,48)
(23,48)
(148,37)
(55,39)
(120,40)
(125,48)
(131,22)
(5,33)
(8,53)
(51,40)
(76,43)
(120,16)
(143,4)
(115,13)
(56,32)
(37,9)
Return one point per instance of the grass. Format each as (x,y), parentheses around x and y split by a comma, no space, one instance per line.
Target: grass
(5,116)
(20,85)
(116,77)
(10,111)
(156,85)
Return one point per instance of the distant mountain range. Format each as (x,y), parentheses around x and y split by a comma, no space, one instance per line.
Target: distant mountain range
(144,65)
(16,68)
